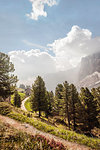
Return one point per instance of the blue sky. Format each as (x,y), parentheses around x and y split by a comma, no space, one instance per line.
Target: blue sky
(48,36)
(16,27)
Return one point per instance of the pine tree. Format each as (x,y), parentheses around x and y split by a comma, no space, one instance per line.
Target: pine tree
(38,96)
(66,97)
(73,105)
(89,117)
(17,99)
(96,94)
(49,103)
(58,99)
(7,79)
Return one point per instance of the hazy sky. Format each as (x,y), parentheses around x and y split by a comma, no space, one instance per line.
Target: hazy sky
(46,36)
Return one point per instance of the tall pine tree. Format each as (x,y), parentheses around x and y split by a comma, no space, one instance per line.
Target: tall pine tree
(7,78)
(66,97)
(58,99)
(38,95)
(17,99)
(49,104)
(90,112)
(73,105)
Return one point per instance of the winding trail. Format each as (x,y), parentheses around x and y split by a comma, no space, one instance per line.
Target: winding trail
(33,131)
(23,102)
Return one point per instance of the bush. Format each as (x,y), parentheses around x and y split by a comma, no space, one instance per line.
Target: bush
(5,108)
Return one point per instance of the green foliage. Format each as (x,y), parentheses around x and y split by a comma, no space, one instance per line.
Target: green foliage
(28,104)
(17,114)
(14,139)
(38,96)
(22,96)
(59,99)
(5,108)
(49,104)
(62,133)
(96,94)
(66,94)
(73,105)
(17,99)
(89,110)
(7,79)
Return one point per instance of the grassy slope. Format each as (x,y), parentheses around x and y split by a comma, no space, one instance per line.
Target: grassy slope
(22,95)
(28,105)
(15,139)
(17,114)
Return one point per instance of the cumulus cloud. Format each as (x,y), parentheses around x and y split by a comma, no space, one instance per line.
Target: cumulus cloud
(68,53)
(38,8)
(29,64)
(70,49)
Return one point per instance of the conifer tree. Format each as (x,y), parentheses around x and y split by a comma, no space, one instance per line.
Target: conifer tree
(89,117)
(7,79)
(17,99)
(58,99)
(73,105)
(38,96)
(49,104)
(96,94)
(66,97)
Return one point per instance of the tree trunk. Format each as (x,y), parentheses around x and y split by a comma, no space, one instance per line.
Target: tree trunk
(39,113)
(68,117)
(74,123)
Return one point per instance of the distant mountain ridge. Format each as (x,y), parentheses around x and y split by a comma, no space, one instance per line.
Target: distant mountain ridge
(89,65)
(90,81)
(86,74)
(89,72)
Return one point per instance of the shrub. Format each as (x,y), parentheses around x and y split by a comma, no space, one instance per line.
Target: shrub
(5,108)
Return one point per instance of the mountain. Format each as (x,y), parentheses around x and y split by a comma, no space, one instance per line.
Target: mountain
(85,74)
(89,71)
(89,65)
(90,81)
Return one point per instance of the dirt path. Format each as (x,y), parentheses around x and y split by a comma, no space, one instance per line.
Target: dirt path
(33,131)
(23,102)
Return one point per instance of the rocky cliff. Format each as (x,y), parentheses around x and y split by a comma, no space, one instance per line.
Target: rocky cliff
(89,65)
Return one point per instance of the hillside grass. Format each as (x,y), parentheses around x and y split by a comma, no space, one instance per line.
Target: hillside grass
(22,96)
(28,105)
(12,139)
(62,133)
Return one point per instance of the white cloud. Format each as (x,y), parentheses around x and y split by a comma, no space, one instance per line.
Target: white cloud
(76,44)
(38,8)
(29,64)
(68,52)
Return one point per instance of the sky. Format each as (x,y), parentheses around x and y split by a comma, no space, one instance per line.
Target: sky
(48,36)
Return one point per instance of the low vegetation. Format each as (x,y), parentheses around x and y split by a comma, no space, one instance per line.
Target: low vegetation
(62,133)
(22,96)
(81,111)
(14,139)
(28,105)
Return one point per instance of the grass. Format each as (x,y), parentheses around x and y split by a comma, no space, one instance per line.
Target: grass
(22,96)
(11,139)
(28,105)
(62,133)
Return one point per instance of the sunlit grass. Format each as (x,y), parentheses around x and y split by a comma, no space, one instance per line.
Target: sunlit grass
(22,96)
(28,105)
(12,139)
(72,136)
